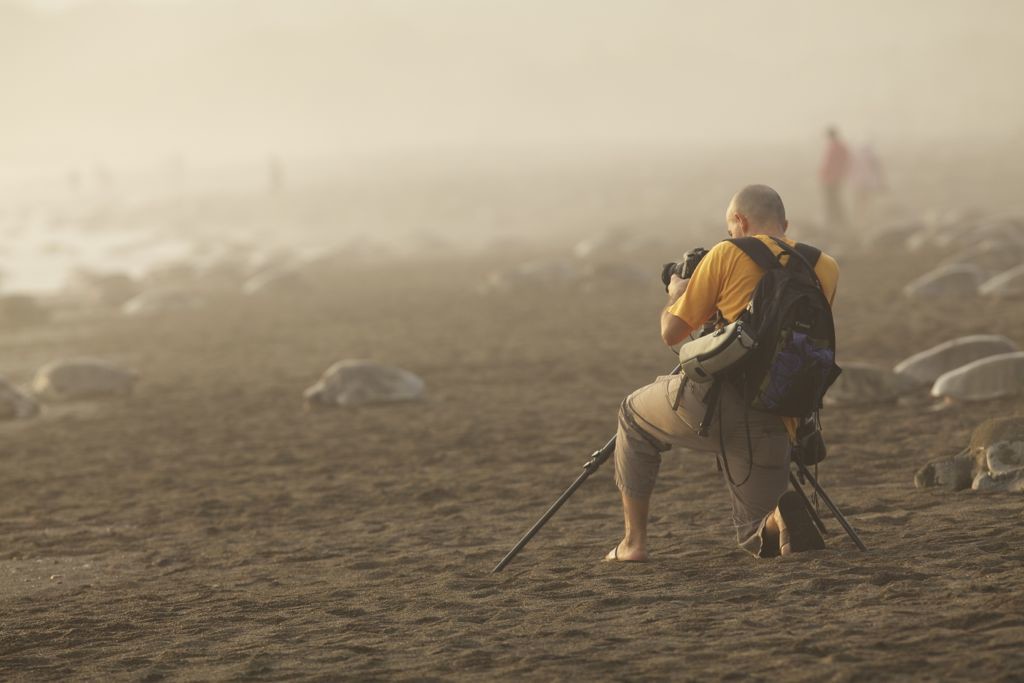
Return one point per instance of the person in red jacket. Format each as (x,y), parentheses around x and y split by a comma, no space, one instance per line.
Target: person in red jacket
(835,167)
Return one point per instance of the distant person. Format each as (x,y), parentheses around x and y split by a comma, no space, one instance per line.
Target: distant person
(867,178)
(754,446)
(835,167)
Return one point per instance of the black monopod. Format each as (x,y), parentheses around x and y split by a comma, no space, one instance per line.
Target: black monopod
(598,459)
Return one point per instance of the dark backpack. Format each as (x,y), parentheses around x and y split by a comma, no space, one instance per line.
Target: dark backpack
(788,314)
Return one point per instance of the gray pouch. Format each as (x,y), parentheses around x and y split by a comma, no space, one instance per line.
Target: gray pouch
(703,358)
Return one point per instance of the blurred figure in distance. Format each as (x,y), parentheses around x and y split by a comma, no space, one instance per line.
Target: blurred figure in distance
(835,167)
(867,178)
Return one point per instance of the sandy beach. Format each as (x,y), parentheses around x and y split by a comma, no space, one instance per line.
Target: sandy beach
(209,527)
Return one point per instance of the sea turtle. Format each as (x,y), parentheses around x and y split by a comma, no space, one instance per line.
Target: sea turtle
(538,274)
(867,384)
(992,255)
(162,300)
(102,289)
(944,229)
(612,245)
(613,276)
(986,378)
(276,280)
(76,378)
(1007,231)
(928,365)
(356,381)
(15,404)
(892,236)
(1012,482)
(1006,285)
(957,279)
(992,461)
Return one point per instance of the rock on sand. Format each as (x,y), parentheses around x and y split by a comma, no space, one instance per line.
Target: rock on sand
(867,384)
(78,378)
(992,377)
(355,382)
(960,279)
(16,404)
(925,367)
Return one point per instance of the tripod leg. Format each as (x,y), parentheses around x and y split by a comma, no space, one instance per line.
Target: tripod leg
(807,504)
(589,468)
(831,506)
(542,521)
(596,460)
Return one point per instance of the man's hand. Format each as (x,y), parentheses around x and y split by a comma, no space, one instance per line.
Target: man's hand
(676,287)
(674,329)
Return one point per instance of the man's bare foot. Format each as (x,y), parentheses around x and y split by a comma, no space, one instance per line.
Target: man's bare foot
(626,553)
(796,529)
(777,524)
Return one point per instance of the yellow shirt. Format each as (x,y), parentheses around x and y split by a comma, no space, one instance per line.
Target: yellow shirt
(725,279)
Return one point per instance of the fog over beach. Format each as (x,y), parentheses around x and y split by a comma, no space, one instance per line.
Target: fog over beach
(223,81)
(111,103)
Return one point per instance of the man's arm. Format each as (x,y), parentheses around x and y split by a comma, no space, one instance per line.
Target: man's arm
(673,328)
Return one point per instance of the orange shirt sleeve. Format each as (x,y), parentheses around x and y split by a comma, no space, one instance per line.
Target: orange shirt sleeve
(700,300)
(827,271)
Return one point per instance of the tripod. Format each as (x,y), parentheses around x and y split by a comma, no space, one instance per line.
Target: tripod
(810,478)
(601,455)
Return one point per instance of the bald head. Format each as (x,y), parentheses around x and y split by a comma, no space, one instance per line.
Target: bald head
(756,209)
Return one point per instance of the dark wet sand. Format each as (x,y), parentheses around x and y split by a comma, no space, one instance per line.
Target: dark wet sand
(209,528)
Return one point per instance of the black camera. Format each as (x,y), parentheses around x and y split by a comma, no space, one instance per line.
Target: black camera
(684,268)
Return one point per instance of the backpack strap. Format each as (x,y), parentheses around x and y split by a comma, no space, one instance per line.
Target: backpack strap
(805,254)
(758,252)
(764,257)
(810,254)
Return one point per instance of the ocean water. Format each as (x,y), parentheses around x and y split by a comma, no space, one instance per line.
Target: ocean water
(39,257)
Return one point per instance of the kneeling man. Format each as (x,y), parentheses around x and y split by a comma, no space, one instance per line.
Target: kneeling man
(755,446)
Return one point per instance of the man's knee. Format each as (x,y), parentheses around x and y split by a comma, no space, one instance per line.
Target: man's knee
(626,415)
(631,424)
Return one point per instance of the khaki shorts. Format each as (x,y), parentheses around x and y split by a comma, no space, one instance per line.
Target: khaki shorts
(758,466)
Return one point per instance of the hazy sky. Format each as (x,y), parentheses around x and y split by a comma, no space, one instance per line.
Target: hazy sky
(126,81)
